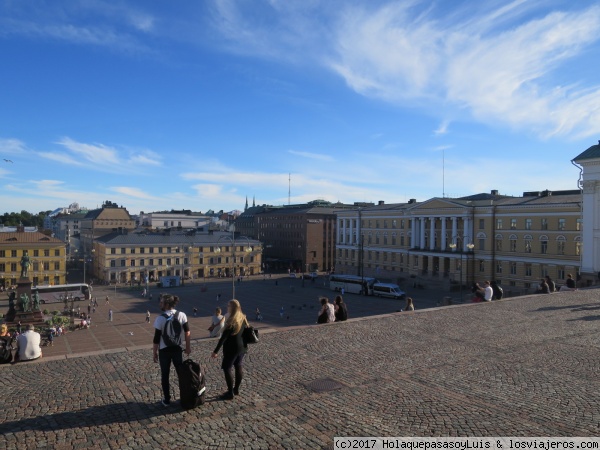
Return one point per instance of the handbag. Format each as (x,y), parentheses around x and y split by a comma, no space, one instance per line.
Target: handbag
(250,335)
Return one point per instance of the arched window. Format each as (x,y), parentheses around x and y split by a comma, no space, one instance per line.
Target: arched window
(513,242)
(527,239)
(561,243)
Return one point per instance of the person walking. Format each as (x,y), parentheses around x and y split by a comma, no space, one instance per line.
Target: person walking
(217,323)
(409,304)
(110,314)
(166,349)
(234,348)
(147,316)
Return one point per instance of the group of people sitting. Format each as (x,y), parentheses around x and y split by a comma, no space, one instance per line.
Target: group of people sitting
(332,312)
(547,286)
(28,345)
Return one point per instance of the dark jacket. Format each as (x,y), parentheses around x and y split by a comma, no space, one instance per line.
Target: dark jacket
(342,313)
(233,344)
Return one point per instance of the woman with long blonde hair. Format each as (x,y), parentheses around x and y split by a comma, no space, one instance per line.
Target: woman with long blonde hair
(234,348)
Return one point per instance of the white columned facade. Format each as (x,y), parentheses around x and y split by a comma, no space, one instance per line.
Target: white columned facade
(454,232)
(444,243)
(413,234)
(466,240)
(590,234)
(422,233)
(432,233)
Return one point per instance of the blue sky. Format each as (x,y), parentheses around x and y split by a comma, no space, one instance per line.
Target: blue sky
(198,104)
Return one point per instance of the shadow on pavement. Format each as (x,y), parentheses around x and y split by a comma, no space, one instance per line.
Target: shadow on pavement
(93,416)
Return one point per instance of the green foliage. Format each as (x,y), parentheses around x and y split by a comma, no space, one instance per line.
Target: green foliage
(25,218)
(46,312)
(55,313)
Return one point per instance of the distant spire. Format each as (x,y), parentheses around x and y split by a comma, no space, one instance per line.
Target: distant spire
(253,201)
(246,207)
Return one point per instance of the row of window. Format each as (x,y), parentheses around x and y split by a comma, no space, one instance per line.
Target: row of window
(14,267)
(368,223)
(513,224)
(176,261)
(36,253)
(151,250)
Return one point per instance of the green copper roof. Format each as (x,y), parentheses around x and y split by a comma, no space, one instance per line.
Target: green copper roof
(591,153)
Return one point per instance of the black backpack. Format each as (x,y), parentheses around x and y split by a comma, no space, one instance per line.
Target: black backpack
(6,355)
(171,332)
(192,385)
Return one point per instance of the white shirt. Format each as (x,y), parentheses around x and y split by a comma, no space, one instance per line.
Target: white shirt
(159,324)
(488,293)
(330,313)
(29,345)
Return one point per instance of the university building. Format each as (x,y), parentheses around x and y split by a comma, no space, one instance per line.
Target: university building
(513,240)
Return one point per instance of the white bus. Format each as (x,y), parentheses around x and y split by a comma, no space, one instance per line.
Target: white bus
(352,284)
(58,292)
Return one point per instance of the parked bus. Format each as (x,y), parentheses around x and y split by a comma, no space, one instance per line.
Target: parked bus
(352,284)
(58,292)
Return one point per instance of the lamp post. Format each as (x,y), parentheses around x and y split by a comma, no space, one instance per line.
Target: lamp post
(85,262)
(453,246)
(247,249)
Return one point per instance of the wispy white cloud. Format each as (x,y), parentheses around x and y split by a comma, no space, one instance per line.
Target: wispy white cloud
(61,158)
(506,64)
(309,155)
(102,157)
(12,146)
(133,192)
(442,129)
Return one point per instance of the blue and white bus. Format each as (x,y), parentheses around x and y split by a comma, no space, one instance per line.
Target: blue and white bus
(352,284)
(58,292)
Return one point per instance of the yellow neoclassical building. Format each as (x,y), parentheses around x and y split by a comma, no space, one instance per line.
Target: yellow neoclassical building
(513,240)
(47,256)
(126,257)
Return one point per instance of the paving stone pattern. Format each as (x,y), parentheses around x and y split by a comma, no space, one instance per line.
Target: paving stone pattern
(518,367)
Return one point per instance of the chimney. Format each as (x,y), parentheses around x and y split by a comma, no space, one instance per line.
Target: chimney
(494,192)
(381,202)
(412,200)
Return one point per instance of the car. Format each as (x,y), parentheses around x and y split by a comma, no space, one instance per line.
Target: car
(292,275)
(310,275)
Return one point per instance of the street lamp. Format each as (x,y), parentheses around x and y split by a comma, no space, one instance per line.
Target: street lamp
(85,263)
(231,239)
(453,246)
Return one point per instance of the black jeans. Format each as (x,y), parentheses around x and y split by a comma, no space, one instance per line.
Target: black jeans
(165,356)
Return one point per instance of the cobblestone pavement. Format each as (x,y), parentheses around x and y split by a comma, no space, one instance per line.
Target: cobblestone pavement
(519,367)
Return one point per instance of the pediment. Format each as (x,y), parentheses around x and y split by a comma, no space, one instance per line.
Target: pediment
(436,204)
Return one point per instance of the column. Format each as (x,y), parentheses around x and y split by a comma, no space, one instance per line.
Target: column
(413,234)
(422,233)
(466,239)
(340,231)
(444,243)
(454,233)
(432,234)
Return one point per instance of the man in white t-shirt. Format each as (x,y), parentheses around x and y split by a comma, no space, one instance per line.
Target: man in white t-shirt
(28,345)
(488,292)
(164,353)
